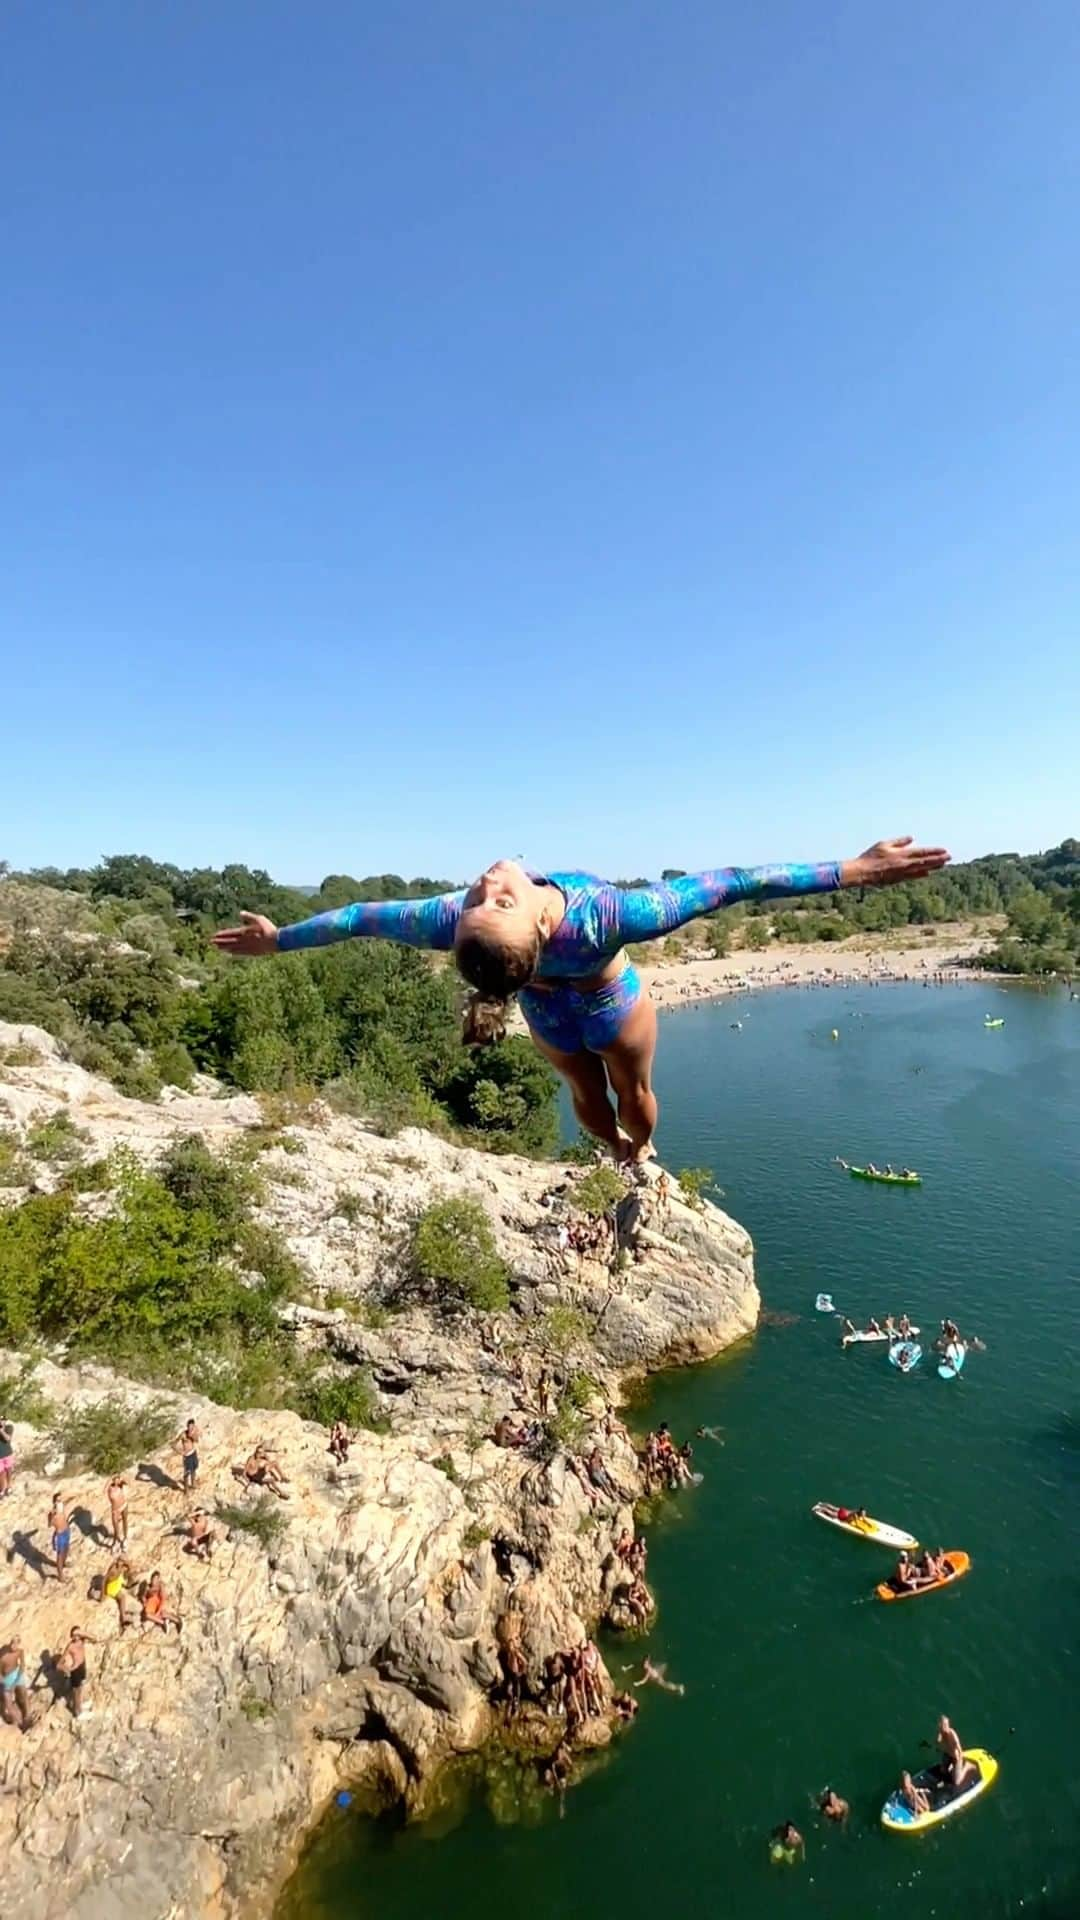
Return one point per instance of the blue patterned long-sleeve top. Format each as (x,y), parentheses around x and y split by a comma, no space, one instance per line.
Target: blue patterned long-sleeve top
(599,918)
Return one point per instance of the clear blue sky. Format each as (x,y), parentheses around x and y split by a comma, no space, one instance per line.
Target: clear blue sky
(620,434)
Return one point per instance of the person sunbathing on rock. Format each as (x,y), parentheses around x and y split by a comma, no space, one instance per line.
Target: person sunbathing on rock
(260,1469)
(556,942)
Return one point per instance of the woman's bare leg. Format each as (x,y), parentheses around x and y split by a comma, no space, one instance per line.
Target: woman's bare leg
(585,1076)
(629,1068)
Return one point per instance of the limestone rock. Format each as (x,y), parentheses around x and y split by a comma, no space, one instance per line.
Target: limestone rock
(364,1643)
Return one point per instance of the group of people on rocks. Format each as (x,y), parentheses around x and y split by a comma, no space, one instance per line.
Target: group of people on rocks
(666,1466)
(138,1599)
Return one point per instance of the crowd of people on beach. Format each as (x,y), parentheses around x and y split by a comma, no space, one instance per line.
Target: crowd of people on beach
(874,969)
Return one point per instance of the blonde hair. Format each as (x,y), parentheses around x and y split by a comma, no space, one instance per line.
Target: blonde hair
(496,973)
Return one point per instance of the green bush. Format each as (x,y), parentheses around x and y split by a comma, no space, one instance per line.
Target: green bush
(343,1396)
(112,1434)
(563,1328)
(692,1183)
(87,1176)
(55,1138)
(352,1207)
(580,1389)
(22,1399)
(15,1168)
(173,1064)
(453,1251)
(599,1192)
(474,1536)
(264,1521)
(254,1708)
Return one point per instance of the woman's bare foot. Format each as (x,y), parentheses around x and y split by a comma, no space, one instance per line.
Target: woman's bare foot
(623,1149)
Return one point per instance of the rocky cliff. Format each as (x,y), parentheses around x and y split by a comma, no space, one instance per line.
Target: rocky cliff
(367,1638)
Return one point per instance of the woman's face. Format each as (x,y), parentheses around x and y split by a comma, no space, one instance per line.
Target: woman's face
(501,906)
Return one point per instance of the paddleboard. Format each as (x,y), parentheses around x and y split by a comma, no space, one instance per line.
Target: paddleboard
(859,1338)
(824,1304)
(944,1801)
(867,1529)
(961,1564)
(909,1348)
(953,1361)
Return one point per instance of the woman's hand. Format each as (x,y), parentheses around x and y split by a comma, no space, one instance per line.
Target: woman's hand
(257,935)
(888,862)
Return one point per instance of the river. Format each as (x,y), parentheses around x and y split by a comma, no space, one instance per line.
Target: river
(796,1677)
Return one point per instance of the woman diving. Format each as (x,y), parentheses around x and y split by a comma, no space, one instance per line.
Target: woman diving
(556,941)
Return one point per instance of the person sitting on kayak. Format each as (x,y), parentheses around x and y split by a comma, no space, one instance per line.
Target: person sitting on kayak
(907,1173)
(915,1798)
(833,1808)
(905,1575)
(872,1325)
(889,1325)
(954,1768)
(904,1327)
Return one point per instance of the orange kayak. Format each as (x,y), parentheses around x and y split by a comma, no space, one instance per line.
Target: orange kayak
(960,1564)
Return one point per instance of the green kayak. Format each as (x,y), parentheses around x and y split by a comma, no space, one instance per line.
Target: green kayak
(887,1179)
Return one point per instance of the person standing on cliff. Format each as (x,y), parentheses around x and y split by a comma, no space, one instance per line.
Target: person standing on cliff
(556,942)
(59,1524)
(116,1495)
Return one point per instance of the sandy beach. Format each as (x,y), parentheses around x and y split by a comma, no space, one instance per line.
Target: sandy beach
(868,961)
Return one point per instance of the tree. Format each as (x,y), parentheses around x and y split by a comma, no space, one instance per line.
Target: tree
(453,1251)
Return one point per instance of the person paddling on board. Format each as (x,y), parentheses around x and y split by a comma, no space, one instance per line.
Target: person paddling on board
(556,941)
(954,1768)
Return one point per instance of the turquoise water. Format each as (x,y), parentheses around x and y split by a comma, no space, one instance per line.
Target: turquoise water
(795,1676)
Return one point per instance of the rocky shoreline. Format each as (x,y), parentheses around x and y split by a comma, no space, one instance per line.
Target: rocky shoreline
(367,1642)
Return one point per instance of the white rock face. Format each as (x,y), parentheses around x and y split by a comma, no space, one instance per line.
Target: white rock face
(375,1613)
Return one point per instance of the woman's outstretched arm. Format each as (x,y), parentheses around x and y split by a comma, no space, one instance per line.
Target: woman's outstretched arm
(644,913)
(412,923)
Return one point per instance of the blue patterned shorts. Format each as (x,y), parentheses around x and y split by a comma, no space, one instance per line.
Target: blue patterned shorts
(570,1021)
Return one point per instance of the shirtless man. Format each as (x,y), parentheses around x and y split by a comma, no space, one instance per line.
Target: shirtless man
(116,1495)
(260,1469)
(832,1807)
(72,1662)
(14,1693)
(187,1445)
(955,1769)
(201,1536)
(904,1574)
(59,1524)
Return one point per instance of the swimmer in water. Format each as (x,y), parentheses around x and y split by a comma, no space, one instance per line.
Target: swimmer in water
(658,1677)
(786,1842)
(832,1807)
